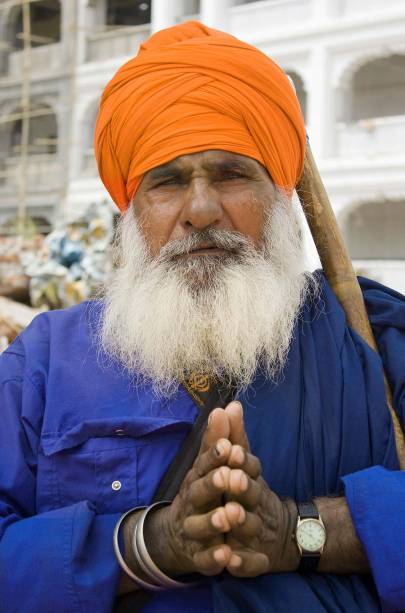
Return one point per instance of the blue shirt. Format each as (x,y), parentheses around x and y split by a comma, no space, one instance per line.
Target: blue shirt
(80,444)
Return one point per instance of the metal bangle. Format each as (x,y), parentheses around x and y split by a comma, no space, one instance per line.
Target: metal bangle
(145,561)
(140,582)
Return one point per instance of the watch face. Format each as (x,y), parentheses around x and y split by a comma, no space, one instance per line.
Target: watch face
(311,535)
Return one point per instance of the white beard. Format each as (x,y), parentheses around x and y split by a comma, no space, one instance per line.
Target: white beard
(224,317)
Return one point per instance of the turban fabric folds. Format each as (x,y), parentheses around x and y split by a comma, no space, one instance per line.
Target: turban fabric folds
(190,89)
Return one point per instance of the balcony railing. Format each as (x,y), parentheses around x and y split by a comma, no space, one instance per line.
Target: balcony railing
(364,7)
(43,172)
(115,43)
(258,17)
(44,59)
(372,137)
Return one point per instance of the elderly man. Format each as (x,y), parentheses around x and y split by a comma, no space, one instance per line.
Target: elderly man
(200,142)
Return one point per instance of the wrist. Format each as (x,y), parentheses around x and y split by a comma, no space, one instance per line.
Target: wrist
(289,558)
(161,543)
(343,551)
(128,531)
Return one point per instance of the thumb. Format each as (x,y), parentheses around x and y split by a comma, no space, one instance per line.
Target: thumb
(217,427)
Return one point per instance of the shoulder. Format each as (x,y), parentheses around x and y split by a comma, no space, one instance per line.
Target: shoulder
(385,306)
(49,335)
(323,313)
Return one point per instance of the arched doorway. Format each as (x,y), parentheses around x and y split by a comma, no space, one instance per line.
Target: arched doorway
(374,233)
(45,24)
(375,230)
(299,90)
(43,131)
(128,12)
(378,89)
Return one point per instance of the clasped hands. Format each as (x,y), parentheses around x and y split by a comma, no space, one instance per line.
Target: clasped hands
(225,516)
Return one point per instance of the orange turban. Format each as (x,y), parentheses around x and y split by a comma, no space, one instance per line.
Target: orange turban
(190,89)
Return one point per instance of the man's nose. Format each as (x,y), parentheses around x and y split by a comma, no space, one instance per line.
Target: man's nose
(201,206)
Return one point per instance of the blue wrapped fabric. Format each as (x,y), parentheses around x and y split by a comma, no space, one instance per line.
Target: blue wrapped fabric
(71,426)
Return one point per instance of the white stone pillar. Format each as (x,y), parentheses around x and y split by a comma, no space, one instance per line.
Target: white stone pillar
(163,14)
(320,9)
(215,13)
(320,105)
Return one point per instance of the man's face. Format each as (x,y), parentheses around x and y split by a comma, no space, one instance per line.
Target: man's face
(210,260)
(212,189)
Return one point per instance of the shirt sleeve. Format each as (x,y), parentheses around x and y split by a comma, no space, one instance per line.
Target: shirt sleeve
(59,560)
(376,499)
(376,496)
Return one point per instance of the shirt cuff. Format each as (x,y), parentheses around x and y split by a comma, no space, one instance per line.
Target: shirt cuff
(376,499)
(62,560)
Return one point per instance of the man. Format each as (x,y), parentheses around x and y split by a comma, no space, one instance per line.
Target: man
(200,142)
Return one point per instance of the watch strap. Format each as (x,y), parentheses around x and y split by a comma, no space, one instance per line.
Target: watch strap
(309,561)
(307,510)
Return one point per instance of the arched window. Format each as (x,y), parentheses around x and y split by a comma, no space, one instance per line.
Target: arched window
(299,90)
(378,89)
(128,12)
(45,24)
(43,131)
(375,231)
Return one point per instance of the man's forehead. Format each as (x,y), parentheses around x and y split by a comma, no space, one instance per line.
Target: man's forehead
(206,160)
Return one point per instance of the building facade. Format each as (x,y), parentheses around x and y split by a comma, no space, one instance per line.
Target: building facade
(346,58)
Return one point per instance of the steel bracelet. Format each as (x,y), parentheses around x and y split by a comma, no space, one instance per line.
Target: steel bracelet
(140,582)
(144,560)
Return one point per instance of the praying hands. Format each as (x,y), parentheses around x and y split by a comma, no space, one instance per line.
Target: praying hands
(225,515)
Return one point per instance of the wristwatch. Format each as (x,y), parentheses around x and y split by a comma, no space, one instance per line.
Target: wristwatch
(310,536)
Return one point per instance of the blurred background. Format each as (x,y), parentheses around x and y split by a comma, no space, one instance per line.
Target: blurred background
(347,61)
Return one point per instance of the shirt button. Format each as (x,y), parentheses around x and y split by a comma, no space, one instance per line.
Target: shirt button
(116,485)
(119,432)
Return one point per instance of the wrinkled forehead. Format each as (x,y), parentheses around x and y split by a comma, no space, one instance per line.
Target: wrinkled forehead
(209,161)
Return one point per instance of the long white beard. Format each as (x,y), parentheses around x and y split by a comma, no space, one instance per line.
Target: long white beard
(224,317)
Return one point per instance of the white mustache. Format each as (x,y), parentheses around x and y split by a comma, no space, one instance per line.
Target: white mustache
(234,242)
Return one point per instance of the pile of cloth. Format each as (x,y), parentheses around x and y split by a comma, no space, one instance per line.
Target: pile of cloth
(74,260)
(16,254)
(14,317)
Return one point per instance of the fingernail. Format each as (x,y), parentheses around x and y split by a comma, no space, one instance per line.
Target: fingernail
(219,449)
(216,521)
(237,403)
(219,555)
(242,516)
(238,455)
(243,483)
(218,479)
(235,561)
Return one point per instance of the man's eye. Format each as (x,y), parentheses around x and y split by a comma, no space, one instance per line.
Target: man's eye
(229,176)
(168,181)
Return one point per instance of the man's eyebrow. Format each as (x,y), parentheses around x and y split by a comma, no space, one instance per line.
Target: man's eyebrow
(175,168)
(229,164)
(166,170)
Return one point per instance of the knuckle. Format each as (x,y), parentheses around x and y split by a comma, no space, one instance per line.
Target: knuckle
(257,467)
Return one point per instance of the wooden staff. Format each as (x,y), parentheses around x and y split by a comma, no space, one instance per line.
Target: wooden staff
(339,271)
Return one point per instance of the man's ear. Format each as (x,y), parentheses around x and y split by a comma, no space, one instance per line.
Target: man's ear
(238,434)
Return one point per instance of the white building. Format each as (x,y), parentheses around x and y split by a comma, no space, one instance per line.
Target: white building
(347,58)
